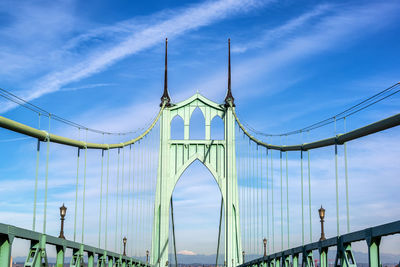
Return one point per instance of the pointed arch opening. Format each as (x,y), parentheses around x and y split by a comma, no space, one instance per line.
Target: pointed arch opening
(197,125)
(217,128)
(177,128)
(196,217)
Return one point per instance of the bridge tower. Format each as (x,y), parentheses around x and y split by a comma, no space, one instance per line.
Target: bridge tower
(218,156)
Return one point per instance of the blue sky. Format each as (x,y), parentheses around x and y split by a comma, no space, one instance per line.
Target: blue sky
(100,64)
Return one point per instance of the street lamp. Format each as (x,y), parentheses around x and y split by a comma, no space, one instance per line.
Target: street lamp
(63,212)
(321,212)
(124,240)
(265,246)
(147,257)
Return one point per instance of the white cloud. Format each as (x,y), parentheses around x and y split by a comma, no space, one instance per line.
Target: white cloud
(339,28)
(187,252)
(181,21)
(289,28)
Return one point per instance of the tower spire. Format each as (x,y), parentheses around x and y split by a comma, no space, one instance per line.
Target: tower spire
(229,99)
(165,97)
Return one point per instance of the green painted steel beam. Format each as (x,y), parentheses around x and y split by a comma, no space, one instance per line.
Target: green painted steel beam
(5,249)
(60,256)
(378,126)
(219,156)
(12,232)
(340,139)
(44,136)
(371,235)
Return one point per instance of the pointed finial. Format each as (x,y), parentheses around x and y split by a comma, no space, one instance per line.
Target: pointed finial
(229,98)
(165,97)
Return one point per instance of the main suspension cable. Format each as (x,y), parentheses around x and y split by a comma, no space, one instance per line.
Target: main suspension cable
(374,99)
(26,104)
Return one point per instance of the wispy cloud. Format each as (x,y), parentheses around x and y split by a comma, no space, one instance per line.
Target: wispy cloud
(88,86)
(176,23)
(325,28)
(288,28)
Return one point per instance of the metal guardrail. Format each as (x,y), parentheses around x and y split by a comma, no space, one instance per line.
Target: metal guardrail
(38,257)
(344,255)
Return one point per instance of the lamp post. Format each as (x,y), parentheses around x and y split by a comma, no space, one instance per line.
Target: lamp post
(147,257)
(265,246)
(243,255)
(124,240)
(63,212)
(321,212)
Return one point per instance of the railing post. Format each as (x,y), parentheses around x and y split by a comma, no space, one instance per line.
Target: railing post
(101,261)
(278,262)
(286,260)
(323,257)
(90,259)
(37,253)
(344,255)
(5,249)
(373,251)
(77,257)
(295,259)
(308,259)
(110,261)
(60,256)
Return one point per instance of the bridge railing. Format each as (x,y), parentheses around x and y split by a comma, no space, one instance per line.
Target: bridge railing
(344,254)
(37,254)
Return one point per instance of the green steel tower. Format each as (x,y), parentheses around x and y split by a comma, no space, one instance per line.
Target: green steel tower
(217,155)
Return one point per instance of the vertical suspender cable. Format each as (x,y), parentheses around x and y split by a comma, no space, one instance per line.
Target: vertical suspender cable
(262,193)
(116,208)
(142,198)
(302,198)
(36,180)
(272,202)
(244,220)
(149,193)
(122,194)
(252,228)
(281,201)
(287,201)
(253,187)
(248,200)
(108,174)
(240,178)
(245,193)
(76,192)
(84,195)
(269,241)
(46,179)
(137,241)
(347,180)
(146,199)
(129,196)
(133,224)
(337,185)
(309,193)
(257,189)
(101,193)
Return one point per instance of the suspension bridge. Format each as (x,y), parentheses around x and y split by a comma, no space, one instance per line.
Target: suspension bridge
(137,177)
